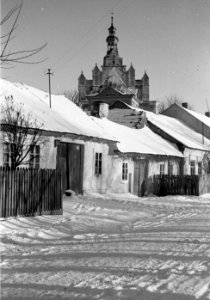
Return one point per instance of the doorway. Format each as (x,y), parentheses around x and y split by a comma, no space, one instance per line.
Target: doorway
(140,177)
(70,159)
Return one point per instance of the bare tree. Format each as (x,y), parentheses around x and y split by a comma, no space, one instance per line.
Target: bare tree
(72,95)
(168,101)
(8,57)
(21,132)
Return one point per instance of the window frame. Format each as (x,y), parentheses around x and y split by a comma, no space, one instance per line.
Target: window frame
(192,167)
(125,171)
(8,150)
(98,163)
(162,169)
(6,154)
(34,161)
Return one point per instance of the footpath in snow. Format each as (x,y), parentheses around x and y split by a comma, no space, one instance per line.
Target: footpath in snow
(110,247)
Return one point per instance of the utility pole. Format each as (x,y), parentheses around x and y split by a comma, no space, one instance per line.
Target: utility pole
(202,132)
(49,74)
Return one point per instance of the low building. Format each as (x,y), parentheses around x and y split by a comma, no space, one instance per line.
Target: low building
(198,122)
(194,146)
(145,153)
(93,154)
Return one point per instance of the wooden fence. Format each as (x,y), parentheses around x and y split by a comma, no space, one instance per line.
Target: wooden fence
(29,192)
(176,185)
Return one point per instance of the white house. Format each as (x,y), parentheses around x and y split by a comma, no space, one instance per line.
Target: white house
(93,154)
(194,146)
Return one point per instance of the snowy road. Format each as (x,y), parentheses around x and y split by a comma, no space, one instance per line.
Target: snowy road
(127,248)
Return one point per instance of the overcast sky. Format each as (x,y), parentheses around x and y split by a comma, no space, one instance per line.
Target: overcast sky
(170,39)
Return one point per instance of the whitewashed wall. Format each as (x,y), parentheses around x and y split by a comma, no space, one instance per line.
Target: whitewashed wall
(111,178)
(191,154)
(117,185)
(48,150)
(112,165)
(48,154)
(154,167)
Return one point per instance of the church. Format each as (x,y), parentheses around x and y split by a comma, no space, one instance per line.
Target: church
(114,83)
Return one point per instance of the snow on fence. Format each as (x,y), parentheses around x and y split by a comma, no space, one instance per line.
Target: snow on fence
(29,192)
(176,185)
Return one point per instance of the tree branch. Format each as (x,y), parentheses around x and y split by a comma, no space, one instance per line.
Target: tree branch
(20,130)
(20,56)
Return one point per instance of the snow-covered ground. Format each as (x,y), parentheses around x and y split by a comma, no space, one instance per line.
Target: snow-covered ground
(108,247)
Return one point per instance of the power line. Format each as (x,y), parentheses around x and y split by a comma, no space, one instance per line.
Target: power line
(80,49)
(83,36)
(63,63)
(127,6)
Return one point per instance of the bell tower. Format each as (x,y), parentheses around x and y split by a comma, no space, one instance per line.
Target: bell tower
(112,59)
(113,78)
(112,40)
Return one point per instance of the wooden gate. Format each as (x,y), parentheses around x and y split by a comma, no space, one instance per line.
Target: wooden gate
(70,163)
(140,177)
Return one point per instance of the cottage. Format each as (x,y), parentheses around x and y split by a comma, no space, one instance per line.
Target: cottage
(194,120)
(194,146)
(93,154)
(70,141)
(145,153)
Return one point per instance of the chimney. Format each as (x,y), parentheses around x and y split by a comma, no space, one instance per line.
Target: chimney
(207,114)
(185,104)
(103,110)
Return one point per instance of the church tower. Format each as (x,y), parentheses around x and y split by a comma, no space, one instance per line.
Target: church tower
(96,76)
(82,86)
(112,59)
(113,81)
(145,87)
(112,40)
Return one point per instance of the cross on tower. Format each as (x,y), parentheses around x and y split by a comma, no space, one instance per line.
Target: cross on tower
(112,17)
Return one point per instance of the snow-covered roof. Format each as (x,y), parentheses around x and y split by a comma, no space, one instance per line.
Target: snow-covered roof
(177,130)
(201,117)
(66,117)
(132,140)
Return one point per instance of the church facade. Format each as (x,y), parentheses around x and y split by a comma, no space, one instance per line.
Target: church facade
(114,82)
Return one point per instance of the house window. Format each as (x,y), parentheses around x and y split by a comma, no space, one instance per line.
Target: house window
(192,167)
(170,168)
(125,171)
(162,169)
(199,168)
(98,163)
(8,152)
(34,156)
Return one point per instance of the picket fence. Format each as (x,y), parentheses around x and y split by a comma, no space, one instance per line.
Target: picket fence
(29,192)
(176,185)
